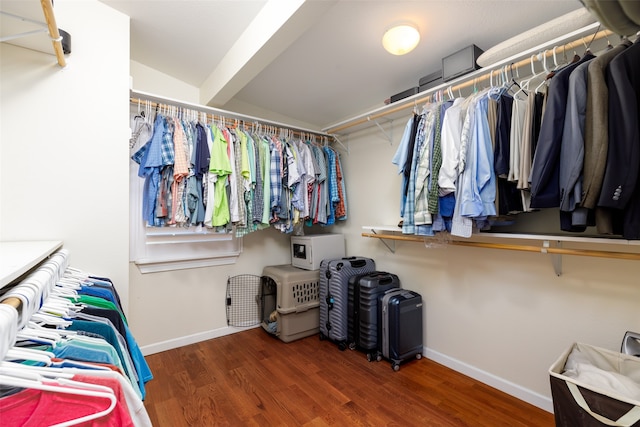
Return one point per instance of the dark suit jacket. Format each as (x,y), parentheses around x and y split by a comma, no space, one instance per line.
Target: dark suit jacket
(620,187)
(596,126)
(545,191)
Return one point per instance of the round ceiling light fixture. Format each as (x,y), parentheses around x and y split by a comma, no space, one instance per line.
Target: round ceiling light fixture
(401,39)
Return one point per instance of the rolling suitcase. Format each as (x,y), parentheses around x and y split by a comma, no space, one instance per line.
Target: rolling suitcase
(334,290)
(400,319)
(363,310)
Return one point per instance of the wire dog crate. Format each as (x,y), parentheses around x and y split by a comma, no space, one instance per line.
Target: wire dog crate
(243,300)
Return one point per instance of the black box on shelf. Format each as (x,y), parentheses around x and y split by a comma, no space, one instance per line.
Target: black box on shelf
(430,80)
(404,94)
(460,63)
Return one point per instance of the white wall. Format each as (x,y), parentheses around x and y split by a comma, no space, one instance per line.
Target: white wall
(64,172)
(146,79)
(501,316)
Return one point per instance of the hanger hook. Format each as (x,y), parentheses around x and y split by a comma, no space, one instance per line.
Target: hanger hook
(533,70)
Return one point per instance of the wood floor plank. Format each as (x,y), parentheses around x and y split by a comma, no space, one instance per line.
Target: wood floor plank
(252,379)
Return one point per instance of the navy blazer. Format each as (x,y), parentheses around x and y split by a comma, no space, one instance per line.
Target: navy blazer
(545,185)
(620,186)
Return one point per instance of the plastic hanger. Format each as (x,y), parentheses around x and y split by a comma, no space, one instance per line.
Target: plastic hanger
(24,353)
(546,70)
(68,387)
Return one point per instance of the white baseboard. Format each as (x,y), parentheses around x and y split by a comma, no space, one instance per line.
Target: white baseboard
(191,339)
(501,384)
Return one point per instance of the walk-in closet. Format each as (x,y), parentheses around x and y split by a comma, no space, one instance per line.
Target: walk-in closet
(167,167)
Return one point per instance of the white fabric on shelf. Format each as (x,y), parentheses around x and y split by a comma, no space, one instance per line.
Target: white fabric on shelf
(548,31)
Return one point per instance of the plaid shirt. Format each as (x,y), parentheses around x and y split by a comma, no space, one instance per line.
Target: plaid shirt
(408,223)
(275,175)
(341,207)
(334,197)
(258,196)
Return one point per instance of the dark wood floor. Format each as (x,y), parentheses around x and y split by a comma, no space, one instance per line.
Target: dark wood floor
(251,378)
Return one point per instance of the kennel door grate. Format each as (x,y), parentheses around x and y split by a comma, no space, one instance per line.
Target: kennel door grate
(243,300)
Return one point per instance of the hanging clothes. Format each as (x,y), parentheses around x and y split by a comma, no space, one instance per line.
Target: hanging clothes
(229,179)
(80,343)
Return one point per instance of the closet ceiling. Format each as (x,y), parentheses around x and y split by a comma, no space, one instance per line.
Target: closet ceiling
(316,61)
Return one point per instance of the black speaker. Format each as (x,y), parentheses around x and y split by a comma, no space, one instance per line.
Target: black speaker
(461,62)
(66,41)
(404,94)
(430,80)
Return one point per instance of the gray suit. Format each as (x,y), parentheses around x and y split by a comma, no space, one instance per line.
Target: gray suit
(572,149)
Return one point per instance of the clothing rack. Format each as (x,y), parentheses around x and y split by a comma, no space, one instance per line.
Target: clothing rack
(581,37)
(47,273)
(229,118)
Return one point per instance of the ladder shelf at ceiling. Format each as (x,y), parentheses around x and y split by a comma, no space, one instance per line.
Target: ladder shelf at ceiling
(31,24)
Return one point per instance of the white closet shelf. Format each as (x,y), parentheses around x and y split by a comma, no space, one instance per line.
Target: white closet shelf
(400,109)
(18,257)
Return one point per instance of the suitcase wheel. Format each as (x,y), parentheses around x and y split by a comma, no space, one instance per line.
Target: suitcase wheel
(322,336)
(352,346)
(342,346)
(378,357)
(419,356)
(395,366)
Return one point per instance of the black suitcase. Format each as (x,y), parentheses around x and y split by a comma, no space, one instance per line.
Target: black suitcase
(400,318)
(363,310)
(334,290)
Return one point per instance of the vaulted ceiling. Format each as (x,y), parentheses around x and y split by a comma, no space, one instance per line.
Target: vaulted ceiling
(315,61)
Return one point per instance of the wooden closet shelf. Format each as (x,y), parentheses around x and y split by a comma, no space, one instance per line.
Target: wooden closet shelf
(385,233)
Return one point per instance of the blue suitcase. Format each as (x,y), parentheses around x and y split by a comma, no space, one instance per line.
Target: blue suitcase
(334,295)
(400,319)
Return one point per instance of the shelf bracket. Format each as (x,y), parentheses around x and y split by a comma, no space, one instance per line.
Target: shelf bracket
(381,238)
(345,148)
(556,259)
(43,26)
(388,136)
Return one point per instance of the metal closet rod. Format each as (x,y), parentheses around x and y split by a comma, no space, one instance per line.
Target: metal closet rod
(56,38)
(231,118)
(599,34)
(526,248)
